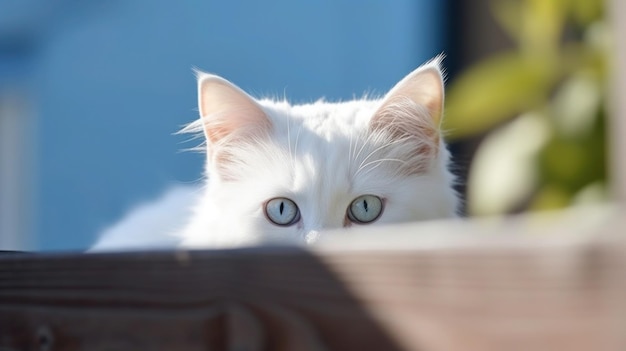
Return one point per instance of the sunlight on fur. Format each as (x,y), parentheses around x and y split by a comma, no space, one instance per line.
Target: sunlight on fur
(278,173)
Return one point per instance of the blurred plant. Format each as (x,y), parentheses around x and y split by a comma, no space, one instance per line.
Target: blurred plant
(540,107)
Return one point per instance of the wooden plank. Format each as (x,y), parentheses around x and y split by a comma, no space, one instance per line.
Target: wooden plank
(517,292)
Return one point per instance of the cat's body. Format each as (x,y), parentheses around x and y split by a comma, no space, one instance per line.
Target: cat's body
(284,173)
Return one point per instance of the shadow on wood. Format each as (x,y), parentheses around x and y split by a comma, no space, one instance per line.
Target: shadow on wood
(256,299)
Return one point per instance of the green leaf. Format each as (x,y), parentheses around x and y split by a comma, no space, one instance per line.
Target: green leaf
(585,12)
(543,23)
(550,197)
(536,25)
(495,90)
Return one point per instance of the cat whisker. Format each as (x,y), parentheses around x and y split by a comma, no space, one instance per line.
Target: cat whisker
(350,152)
(378,149)
(295,152)
(365,142)
(289,138)
(378,163)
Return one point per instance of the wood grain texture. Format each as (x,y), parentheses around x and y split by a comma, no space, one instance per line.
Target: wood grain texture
(516,292)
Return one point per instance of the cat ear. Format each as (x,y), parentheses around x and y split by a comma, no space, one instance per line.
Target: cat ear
(413,107)
(227,111)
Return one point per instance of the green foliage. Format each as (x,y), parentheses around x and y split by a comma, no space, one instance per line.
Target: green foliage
(557,69)
(494,90)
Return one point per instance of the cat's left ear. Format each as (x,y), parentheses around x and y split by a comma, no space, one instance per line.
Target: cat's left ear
(414,106)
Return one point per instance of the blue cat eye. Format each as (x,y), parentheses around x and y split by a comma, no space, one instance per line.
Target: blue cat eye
(365,209)
(282,211)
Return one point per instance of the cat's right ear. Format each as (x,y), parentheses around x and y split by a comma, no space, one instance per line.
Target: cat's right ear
(227,112)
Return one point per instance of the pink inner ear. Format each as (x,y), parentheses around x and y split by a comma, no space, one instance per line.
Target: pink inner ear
(425,88)
(229,126)
(228,113)
(402,119)
(229,132)
(410,133)
(412,110)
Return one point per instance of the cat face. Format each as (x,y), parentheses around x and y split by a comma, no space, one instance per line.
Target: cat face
(284,173)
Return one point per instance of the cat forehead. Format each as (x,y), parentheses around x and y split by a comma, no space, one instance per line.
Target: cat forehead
(322,115)
(315,170)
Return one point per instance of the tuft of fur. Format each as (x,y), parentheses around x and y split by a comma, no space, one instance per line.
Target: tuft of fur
(320,155)
(151,225)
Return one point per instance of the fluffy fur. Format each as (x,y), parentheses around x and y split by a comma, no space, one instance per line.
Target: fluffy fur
(321,156)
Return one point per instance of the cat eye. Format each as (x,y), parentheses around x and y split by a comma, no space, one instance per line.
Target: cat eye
(365,209)
(282,211)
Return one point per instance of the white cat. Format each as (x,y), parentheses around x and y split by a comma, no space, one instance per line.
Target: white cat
(283,173)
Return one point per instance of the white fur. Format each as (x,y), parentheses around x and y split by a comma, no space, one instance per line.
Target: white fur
(321,156)
(153,224)
(315,160)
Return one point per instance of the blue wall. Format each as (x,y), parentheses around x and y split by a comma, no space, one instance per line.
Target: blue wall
(114,82)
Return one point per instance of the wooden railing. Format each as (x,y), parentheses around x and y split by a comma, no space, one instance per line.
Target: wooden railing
(552,283)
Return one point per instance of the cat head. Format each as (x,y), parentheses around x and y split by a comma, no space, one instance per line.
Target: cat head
(282,172)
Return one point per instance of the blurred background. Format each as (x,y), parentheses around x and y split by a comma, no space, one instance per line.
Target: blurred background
(91,94)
